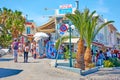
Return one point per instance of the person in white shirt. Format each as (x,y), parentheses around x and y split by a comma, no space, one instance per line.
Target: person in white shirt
(26,51)
(109,55)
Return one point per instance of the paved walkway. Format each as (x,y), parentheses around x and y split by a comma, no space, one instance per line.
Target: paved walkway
(40,69)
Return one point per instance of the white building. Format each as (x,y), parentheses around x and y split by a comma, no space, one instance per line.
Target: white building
(118,40)
(112,36)
(106,37)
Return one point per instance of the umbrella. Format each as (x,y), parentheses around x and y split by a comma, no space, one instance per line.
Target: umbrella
(37,38)
(40,34)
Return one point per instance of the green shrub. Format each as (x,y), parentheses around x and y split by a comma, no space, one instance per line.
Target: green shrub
(108,63)
(112,62)
(73,55)
(115,61)
(66,55)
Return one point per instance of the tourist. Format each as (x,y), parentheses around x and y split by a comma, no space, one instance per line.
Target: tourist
(118,55)
(26,51)
(108,53)
(37,50)
(20,48)
(34,50)
(100,57)
(31,47)
(15,49)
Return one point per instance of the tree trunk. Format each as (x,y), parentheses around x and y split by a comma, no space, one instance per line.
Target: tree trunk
(87,57)
(80,55)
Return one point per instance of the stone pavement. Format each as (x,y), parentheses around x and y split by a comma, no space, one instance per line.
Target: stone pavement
(40,69)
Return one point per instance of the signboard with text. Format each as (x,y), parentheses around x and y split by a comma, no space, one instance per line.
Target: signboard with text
(65,11)
(65,8)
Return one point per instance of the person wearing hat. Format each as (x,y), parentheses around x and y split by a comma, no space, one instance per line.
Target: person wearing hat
(15,49)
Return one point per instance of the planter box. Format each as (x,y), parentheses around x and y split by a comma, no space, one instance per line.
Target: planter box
(77,70)
(89,71)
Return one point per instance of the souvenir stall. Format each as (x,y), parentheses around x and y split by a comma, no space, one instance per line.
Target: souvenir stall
(50,50)
(39,37)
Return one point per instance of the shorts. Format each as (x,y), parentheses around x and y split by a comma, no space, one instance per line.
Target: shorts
(15,53)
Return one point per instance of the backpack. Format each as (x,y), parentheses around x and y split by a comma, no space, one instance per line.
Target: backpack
(15,45)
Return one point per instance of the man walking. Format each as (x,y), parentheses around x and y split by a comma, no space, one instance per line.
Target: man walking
(15,49)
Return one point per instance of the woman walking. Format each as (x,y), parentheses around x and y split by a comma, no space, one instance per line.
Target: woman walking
(26,51)
(34,50)
(20,48)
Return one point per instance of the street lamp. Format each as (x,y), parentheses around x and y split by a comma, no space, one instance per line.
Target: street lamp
(77,4)
(71,28)
(70,53)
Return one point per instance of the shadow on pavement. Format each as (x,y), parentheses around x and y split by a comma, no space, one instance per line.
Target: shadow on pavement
(30,62)
(63,64)
(8,72)
(5,59)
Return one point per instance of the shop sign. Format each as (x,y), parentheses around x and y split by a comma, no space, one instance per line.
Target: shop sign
(66,8)
(65,11)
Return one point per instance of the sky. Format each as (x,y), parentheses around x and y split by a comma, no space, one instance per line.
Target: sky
(35,9)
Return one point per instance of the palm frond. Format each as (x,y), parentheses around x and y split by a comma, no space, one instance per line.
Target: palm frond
(60,41)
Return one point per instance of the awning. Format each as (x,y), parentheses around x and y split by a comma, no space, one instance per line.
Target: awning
(48,27)
(73,40)
(97,44)
(47,30)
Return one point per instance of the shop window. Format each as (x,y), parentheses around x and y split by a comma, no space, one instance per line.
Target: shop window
(28,30)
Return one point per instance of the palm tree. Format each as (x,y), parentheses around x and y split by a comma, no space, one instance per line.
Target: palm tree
(60,41)
(11,23)
(18,22)
(90,31)
(5,36)
(78,19)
